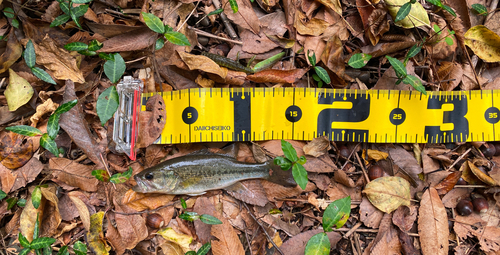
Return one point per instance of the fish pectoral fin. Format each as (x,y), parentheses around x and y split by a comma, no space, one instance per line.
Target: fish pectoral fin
(196,194)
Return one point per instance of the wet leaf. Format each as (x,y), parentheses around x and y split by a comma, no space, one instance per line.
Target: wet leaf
(121,177)
(25,130)
(484,42)
(416,17)
(336,214)
(433,224)
(29,55)
(95,236)
(388,193)
(101,175)
(300,175)
(318,245)
(359,60)
(49,144)
(153,22)
(209,219)
(115,68)
(182,240)
(18,92)
(36,197)
(107,104)
(80,248)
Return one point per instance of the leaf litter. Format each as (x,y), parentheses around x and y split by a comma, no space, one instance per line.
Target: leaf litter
(410,210)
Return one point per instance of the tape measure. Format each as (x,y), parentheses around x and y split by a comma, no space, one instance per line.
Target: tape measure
(373,116)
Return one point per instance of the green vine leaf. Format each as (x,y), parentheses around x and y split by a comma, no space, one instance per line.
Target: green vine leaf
(25,130)
(319,244)
(29,55)
(107,104)
(121,177)
(76,46)
(289,151)
(42,75)
(359,60)
(60,20)
(337,213)
(234,5)
(403,12)
(80,248)
(209,219)
(49,144)
(42,242)
(415,82)
(153,22)
(177,38)
(36,197)
(398,66)
(300,175)
(101,175)
(115,68)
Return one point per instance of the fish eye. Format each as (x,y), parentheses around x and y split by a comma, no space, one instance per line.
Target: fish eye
(149,176)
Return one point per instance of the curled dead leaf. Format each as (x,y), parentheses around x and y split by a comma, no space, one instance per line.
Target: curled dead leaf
(143,201)
(200,62)
(317,147)
(484,177)
(12,52)
(388,193)
(15,150)
(180,239)
(448,183)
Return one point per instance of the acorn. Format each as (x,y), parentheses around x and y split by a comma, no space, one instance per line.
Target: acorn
(488,150)
(480,203)
(344,152)
(464,207)
(375,172)
(155,221)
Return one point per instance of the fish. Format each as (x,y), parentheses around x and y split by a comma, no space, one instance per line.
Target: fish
(195,174)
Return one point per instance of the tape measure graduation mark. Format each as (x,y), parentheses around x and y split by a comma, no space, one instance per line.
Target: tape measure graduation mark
(375,116)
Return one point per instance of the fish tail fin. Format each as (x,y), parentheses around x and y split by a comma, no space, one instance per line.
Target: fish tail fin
(280,176)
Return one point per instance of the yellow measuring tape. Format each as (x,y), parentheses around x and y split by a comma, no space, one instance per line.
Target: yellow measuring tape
(374,116)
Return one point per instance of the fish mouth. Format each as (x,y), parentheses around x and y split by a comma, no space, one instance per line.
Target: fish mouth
(141,187)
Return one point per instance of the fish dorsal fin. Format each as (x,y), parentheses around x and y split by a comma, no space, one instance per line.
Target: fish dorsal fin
(229,151)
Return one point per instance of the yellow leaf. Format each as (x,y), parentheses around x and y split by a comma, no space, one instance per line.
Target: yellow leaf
(484,42)
(416,18)
(313,27)
(388,193)
(200,62)
(95,236)
(332,4)
(180,239)
(19,91)
(376,155)
(28,218)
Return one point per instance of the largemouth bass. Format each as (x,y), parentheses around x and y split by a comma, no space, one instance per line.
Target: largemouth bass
(196,174)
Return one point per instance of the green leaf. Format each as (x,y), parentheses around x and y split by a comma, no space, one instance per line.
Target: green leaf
(80,248)
(218,11)
(121,177)
(106,56)
(190,253)
(403,12)
(76,46)
(24,251)
(107,104)
(319,244)
(177,38)
(81,1)
(77,12)
(2,195)
(21,202)
(36,197)
(15,23)
(415,82)
(183,203)
(29,54)
(9,13)
(284,163)
(42,75)
(302,160)
(359,60)
(209,219)
(49,144)
(160,42)
(25,130)
(300,175)
(64,7)
(450,10)
(289,151)
(47,251)
(437,29)
(234,5)
(435,2)
(53,125)
(448,41)
(414,50)
(95,45)
(268,63)
(66,107)
(398,66)
(59,20)
(154,23)
(312,58)
(316,77)
(36,231)
(204,249)
(321,72)
(337,213)
(101,175)
(88,53)
(63,250)
(42,242)
(23,241)
(189,216)
(11,202)
(480,9)
(115,68)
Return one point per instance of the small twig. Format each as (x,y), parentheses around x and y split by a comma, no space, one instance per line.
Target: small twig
(225,21)
(122,14)
(106,167)
(135,60)
(247,238)
(189,16)
(459,158)
(263,229)
(471,186)
(353,202)
(493,6)
(346,235)
(362,168)
(201,32)
(365,230)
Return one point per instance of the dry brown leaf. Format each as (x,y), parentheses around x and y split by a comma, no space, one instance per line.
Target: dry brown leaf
(142,201)
(322,181)
(313,27)
(369,214)
(406,162)
(81,207)
(245,17)
(27,173)
(42,109)
(132,228)
(249,191)
(433,224)
(481,175)
(114,238)
(153,124)
(275,221)
(438,48)
(450,71)
(317,147)
(29,217)
(404,217)
(52,218)
(7,178)
(73,174)
(15,150)
(377,24)
(341,177)
(203,205)
(57,60)
(272,25)
(277,76)
(387,241)
(134,40)
(297,244)
(473,225)
(376,155)
(450,200)
(227,241)
(12,52)
(448,183)
(200,62)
